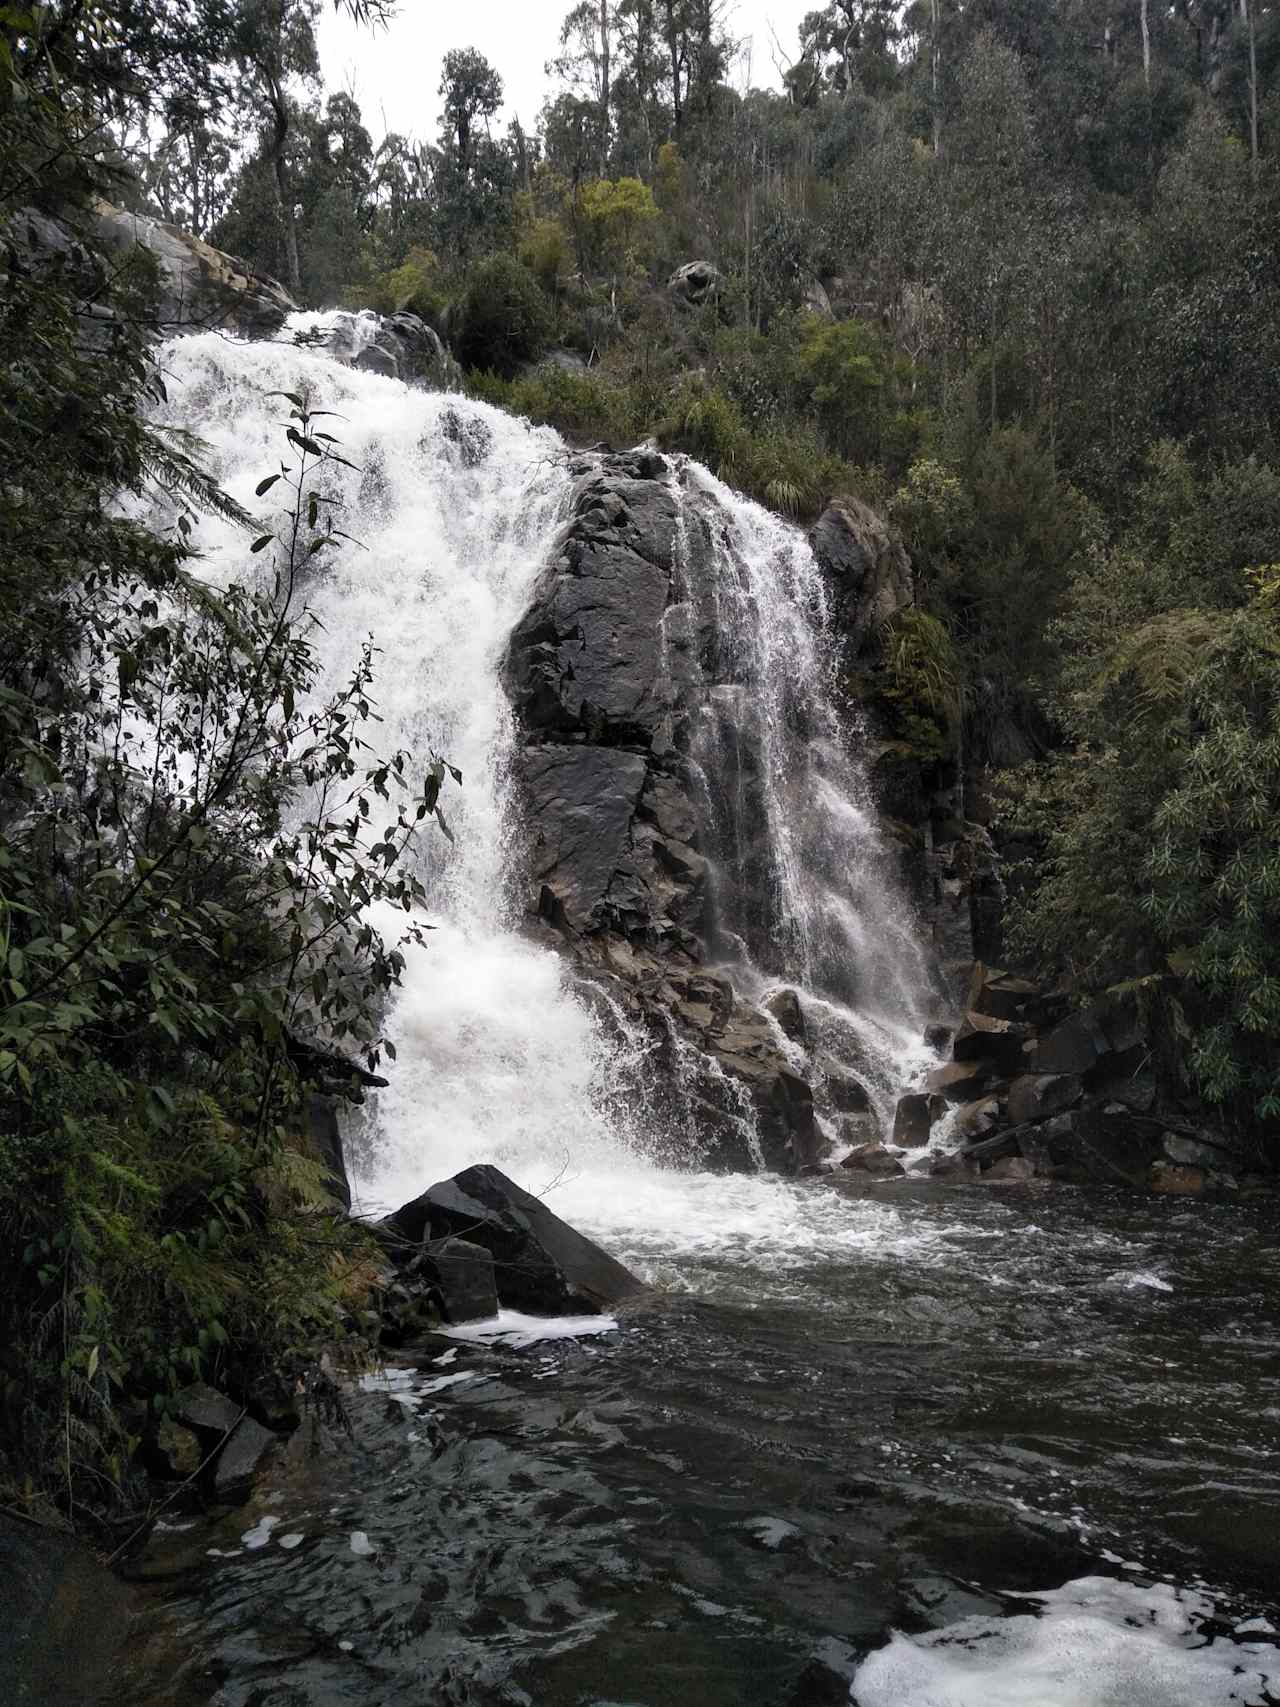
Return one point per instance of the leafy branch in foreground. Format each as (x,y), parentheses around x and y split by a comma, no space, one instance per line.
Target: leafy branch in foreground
(192,840)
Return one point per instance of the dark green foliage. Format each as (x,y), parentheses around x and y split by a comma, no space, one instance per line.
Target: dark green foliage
(505,320)
(189,844)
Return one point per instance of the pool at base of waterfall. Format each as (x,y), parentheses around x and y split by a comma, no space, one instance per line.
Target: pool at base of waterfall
(970,1447)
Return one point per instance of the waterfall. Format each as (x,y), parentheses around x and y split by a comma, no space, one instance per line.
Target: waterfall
(808,896)
(500,1057)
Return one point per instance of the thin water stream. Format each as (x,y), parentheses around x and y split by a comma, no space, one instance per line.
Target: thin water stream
(841,1414)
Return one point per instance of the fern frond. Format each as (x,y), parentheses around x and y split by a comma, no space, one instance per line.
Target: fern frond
(169,460)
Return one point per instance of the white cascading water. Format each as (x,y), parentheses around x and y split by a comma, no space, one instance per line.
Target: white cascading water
(457,506)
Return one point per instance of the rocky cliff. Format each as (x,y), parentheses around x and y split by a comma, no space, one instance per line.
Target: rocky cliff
(604,673)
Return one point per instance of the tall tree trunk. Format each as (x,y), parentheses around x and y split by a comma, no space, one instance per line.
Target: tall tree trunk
(283,199)
(1146,44)
(604,88)
(1246,11)
(673,49)
(935,77)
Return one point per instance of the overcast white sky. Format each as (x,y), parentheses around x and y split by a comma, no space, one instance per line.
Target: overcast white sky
(395,73)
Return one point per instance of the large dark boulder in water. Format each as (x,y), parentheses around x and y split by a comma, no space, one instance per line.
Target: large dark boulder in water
(541,1263)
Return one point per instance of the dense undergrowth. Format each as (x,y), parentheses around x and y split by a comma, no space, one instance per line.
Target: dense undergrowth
(191,837)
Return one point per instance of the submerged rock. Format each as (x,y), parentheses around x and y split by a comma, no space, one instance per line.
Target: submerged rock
(541,1264)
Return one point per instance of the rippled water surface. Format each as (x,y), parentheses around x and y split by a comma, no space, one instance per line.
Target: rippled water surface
(740,1493)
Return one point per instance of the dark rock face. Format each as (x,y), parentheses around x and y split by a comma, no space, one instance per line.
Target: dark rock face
(541,1263)
(64,1619)
(240,1460)
(1075,1046)
(1036,1097)
(326,1140)
(1050,1094)
(995,1041)
(913,1121)
(604,672)
(468,1290)
(867,562)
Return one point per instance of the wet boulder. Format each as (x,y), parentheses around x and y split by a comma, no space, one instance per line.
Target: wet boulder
(1077,1045)
(1170,1179)
(959,1081)
(875,1160)
(240,1461)
(1202,1152)
(913,1120)
(66,1619)
(978,1119)
(997,1041)
(998,994)
(1035,1096)
(785,1007)
(465,1276)
(1010,1170)
(956,1167)
(842,1092)
(206,1411)
(541,1263)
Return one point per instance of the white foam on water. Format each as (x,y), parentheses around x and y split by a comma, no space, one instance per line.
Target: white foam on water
(443,1381)
(1095,1642)
(260,1534)
(360,1544)
(513,1328)
(1152,1282)
(458,507)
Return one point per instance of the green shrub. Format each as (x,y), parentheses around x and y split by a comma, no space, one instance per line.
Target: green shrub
(924,682)
(505,320)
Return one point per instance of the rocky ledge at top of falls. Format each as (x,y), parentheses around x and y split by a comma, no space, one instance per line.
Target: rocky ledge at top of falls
(192,287)
(602,671)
